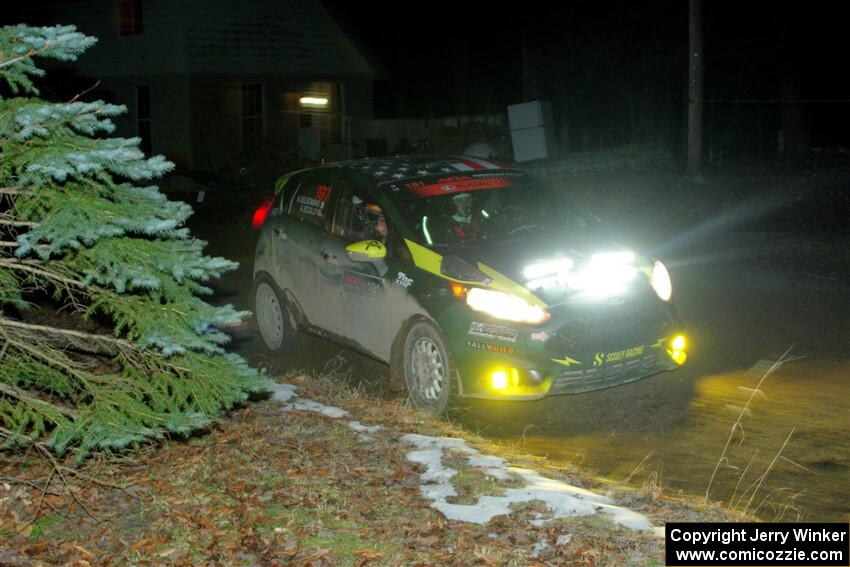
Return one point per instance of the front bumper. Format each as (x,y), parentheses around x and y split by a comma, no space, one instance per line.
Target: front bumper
(505,376)
(581,353)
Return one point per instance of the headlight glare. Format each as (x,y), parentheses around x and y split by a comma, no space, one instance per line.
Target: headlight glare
(554,267)
(660,281)
(504,306)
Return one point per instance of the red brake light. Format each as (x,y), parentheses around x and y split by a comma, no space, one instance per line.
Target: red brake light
(261,214)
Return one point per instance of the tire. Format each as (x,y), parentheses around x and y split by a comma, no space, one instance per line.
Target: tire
(272,317)
(427,368)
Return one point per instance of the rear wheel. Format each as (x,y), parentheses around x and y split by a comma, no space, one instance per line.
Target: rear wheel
(427,368)
(272,317)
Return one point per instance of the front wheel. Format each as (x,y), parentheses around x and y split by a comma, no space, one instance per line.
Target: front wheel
(427,368)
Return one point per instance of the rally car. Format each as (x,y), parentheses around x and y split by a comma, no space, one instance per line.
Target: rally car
(468,277)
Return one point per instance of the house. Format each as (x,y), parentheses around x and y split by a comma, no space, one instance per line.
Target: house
(210,82)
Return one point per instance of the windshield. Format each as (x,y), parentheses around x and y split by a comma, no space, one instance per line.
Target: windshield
(474,210)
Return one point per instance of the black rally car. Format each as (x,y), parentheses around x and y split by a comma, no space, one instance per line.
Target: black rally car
(468,277)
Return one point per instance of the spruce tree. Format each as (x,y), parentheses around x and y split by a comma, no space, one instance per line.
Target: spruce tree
(132,351)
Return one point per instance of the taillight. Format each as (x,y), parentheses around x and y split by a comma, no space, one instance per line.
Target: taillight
(261,214)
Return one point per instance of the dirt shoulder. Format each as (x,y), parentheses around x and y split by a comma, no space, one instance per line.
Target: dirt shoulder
(279,484)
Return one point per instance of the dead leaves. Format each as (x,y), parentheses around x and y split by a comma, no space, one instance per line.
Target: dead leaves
(274,488)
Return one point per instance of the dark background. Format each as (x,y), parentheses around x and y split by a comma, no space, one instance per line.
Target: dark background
(615,71)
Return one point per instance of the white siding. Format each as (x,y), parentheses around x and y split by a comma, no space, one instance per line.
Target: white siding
(215,37)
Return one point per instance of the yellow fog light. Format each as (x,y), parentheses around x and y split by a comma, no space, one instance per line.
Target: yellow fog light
(678,342)
(679,357)
(499,380)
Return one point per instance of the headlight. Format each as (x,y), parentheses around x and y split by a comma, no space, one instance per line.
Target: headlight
(660,281)
(553,267)
(606,275)
(505,306)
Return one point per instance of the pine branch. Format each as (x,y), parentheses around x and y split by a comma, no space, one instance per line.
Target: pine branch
(18,59)
(43,354)
(21,395)
(103,341)
(30,266)
(6,222)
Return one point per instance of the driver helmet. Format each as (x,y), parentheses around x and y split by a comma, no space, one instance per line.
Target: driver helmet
(466,215)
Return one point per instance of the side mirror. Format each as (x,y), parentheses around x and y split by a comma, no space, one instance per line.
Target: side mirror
(366,251)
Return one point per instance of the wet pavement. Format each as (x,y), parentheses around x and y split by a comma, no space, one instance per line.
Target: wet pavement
(746,298)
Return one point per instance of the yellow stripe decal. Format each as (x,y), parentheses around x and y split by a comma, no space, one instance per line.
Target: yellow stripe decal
(506,284)
(430,261)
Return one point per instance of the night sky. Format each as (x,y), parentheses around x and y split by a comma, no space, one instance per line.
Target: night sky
(615,71)
(593,58)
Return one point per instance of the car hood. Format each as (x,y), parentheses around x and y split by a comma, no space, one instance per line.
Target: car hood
(510,258)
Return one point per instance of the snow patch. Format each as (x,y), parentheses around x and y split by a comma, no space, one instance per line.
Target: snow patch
(282,392)
(310,405)
(562,500)
(360,428)
(539,548)
(285,392)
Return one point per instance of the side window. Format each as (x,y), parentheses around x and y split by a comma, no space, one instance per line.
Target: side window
(359,216)
(312,199)
(284,195)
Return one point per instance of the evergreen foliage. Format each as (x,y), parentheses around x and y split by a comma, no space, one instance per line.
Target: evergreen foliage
(78,228)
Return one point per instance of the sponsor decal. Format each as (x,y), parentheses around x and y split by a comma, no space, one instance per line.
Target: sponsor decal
(566,361)
(323,192)
(489,331)
(604,358)
(542,336)
(503,349)
(315,205)
(403,280)
(357,287)
(373,244)
(310,206)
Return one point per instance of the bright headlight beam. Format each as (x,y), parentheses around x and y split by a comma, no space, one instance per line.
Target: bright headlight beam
(504,306)
(607,274)
(536,271)
(660,280)
(613,258)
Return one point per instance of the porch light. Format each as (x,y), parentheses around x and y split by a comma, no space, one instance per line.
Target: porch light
(313,101)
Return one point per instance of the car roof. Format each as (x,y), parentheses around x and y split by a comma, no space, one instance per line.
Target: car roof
(399,168)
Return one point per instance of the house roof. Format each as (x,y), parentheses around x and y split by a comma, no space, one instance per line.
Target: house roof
(284,37)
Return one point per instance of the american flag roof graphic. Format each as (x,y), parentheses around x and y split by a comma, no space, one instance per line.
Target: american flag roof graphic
(394,169)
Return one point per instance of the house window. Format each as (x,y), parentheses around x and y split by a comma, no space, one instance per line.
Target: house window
(143,116)
(130,17)
(252,116)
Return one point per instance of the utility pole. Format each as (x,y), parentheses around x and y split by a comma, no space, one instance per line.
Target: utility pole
(695,87)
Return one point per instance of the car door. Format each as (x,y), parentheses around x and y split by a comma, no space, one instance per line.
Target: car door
(300,265)
(361,301)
